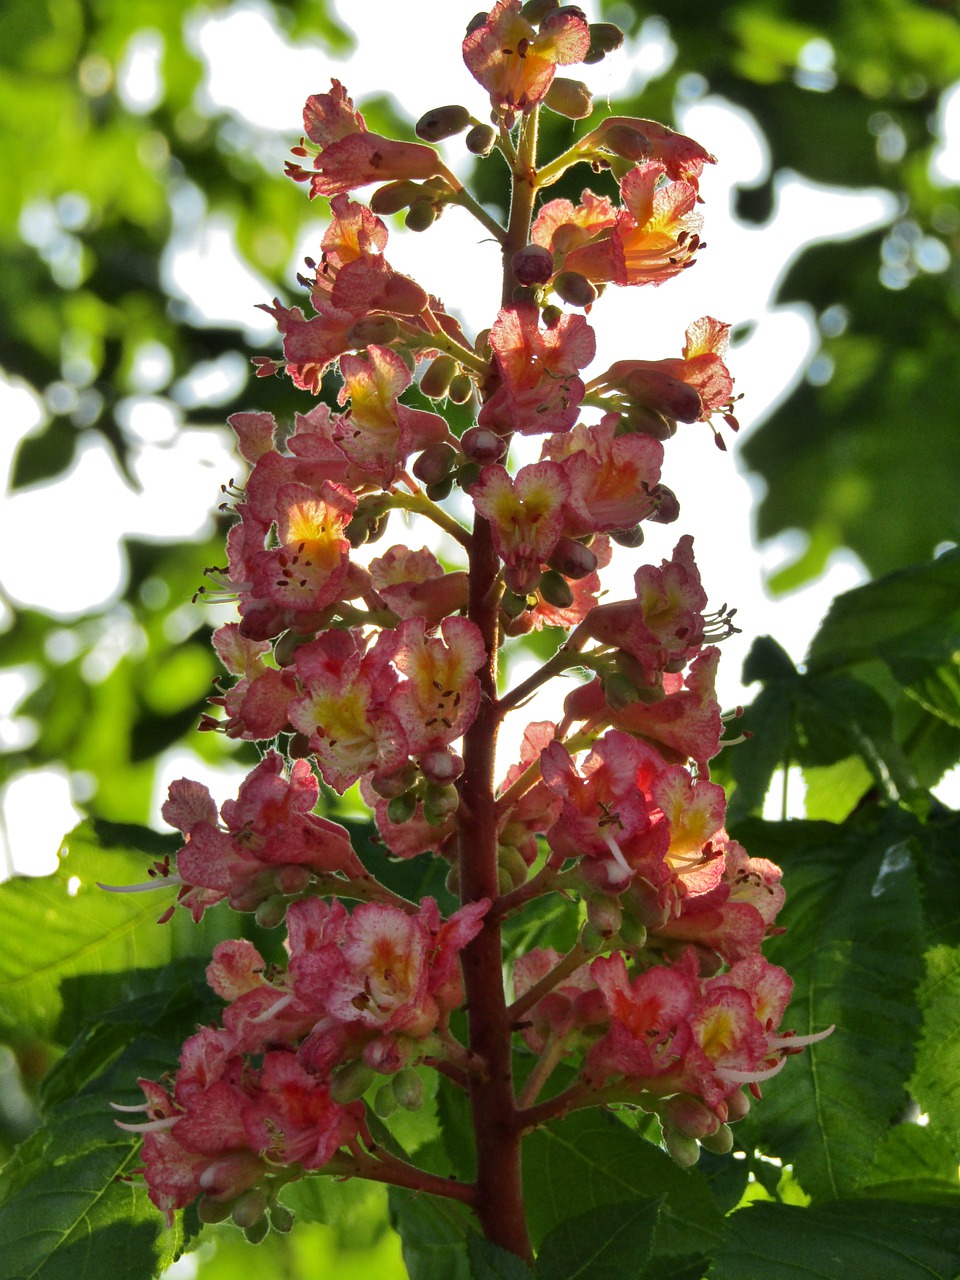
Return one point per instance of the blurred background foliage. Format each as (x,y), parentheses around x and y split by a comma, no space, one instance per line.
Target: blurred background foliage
(864,453)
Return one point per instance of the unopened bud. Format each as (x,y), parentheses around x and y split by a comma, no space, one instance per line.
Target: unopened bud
(298,748)
(420,216)
(536,10)
(282,1218)
(408,1089)
(351,1082)
(385,1101)
(533,264)
(640,420)
(551,315)
(440,489)
(249,1208)
(625,141)
(402,808)
(452,880)
(619,691)
(439,803)
(441,765)
(513,864)
(604,914)
(285,649)
(480,140)
(555,589)
(271,912)
(379,329)
(572,558)
(468,475)
(512,604)
(483,446)
(436,462)
(460,389)
(575,289)
(395,784)
(257,1232)
(682,1150)
(570,98)
(213,1210)
(720,1142)
(632,537)
(442,122)
(632,933)
(668,507)
(690,1116)
(395,196)
(478,20)
(437,377)
(604,38)
(738,1105)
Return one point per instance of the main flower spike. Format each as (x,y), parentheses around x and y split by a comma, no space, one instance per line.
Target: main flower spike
(380,673)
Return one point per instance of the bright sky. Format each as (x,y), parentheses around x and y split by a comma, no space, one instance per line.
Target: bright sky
(734,281)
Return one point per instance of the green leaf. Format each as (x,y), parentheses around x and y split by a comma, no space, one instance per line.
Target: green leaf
(610,1240)
(915,1163)
(433,1233)
(590,1159)
(489,1262)
(62,926)
(848,1240)
(852,947)
(78,1220)
(936,1078)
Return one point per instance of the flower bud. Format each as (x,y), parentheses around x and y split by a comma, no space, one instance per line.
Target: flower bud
(436,462)
(690,1116)
(442,122)
(271,912)
(480,140)
(439,803)
(572,558)
(738,1105)
(625,141)
(555,590)
(628,537)
(282,1218)
(682,1150)
(483,446)
(395,784)
(513,604)
(619,691)
(533,264)
(551,315)
(641,420)
(570,98)
(351,1082)
(575,289)
(379,329)
(420,216)
(408,1089)
(212,1210)
(668,508)
(257,1232)
(536,10)
(440,489)
(633,934)
(604,914)
(395,196)
(478,20)
(249,1208)
(441,766)
(385,1101)
(468,475)
(437,377)
(452,880)
(604,39)
(721,1142)
(460,389)
(513,864)
(402,808)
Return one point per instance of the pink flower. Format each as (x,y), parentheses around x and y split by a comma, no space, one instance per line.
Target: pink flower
(349,155)
(514,62)
(612,478)
(540,390)
(526,514)
(437,701)
(414,584)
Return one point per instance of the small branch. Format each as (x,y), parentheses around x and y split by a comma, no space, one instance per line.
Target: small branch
(543,1068)
(561,660)
(545,881)
(379,1165)
(466,201)
(362,889)
(422,505)
(572,1099)
(562,969)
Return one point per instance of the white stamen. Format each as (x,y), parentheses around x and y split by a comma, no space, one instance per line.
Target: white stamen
(620,859)
(797,1042)
(141,1106)
(733,1076)
(151,1126)
(160,883)
(273,1009)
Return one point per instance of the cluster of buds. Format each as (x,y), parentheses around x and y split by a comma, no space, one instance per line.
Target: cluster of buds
(381,671)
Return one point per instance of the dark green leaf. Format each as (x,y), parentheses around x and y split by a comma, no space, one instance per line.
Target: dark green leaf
(434,1235)
(591,1159)
(849,1240)
(610,1240)
(915,1163)
(852,947)
(936,1078)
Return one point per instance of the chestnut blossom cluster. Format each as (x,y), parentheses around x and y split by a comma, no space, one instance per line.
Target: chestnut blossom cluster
(350,668)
